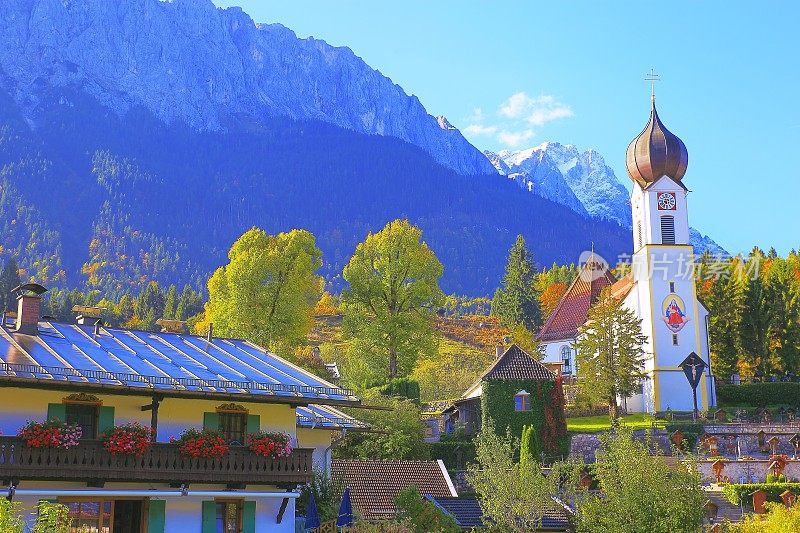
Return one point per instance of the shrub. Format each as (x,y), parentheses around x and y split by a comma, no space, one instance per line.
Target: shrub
(11,517)
(759,394)
(740,493)
(270,444)
(691,433)
(51,434)
(423,515)
(455,454)
(402,387)
(207,443)
(128,439)
(52,518)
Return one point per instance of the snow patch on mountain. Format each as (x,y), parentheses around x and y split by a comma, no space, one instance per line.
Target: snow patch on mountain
(579,180)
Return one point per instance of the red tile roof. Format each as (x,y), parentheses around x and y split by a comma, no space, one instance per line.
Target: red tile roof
(374,485)
(573,308)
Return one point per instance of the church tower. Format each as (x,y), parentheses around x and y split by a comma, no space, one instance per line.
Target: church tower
(663,294)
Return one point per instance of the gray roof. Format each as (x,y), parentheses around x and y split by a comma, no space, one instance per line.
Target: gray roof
(170,364)
(516,364)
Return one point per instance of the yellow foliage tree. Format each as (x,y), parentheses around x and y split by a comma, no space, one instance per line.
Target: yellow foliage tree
(267,291)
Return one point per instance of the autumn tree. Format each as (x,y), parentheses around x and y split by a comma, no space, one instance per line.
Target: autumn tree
(516,301)
(639,492)
(390,306)
(610,355)
(551,296)
(267,291)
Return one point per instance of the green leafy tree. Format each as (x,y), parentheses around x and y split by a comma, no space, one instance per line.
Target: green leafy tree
(267,291)
(400,435)
(517,301)
(9,279)
(610,354)
(423,516)
(511,497)
(391,303)
(640,492)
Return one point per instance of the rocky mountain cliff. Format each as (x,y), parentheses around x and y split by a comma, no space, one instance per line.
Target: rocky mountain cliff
(186,61)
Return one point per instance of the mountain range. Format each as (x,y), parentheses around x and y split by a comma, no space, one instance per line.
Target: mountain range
(579,180)
(140,138)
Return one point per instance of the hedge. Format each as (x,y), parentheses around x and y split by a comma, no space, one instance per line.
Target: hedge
(759,394)
(740,493)
(691,432)
(403,387)
(456,455)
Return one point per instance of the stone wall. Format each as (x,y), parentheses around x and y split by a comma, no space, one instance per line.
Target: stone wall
(749,471)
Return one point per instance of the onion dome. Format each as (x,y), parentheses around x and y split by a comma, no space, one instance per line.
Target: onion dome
(655,153)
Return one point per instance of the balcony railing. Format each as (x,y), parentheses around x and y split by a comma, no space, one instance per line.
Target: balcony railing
(161,463)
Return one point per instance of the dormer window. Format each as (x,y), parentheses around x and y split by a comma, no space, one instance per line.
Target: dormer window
(522,401)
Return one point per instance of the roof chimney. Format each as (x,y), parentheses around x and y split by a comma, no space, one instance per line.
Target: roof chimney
(210,336)
(499,350)
(29,307)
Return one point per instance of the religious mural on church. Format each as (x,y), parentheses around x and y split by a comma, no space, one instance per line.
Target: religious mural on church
(674,314)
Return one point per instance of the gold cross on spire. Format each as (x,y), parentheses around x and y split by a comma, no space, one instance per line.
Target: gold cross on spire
(652,77)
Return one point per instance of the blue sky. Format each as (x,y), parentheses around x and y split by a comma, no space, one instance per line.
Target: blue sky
(513,74)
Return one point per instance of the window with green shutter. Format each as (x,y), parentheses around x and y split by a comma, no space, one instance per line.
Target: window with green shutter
(156,516)
(57,410)
(249,517)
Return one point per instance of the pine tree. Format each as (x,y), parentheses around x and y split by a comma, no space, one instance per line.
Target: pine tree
(530,448)
(756,315)
(9,279)
(610,354)
(171,302)
(516,301)
(724,298)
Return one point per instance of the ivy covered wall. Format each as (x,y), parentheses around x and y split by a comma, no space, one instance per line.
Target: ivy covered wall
(546,413)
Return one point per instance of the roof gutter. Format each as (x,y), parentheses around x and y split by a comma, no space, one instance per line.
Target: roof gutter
(13,491)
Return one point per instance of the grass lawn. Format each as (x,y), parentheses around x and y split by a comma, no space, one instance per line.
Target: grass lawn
(593,424)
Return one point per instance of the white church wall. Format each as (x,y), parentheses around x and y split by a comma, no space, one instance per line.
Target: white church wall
(665,277)
(553,352)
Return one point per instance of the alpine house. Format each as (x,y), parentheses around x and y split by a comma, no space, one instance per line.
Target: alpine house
(97,418)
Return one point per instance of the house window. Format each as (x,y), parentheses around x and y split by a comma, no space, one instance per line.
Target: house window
(522,401)
(233,426)
(667,229)
(566,357)
(229,516)
(85,415)
(90,516)
(674,340)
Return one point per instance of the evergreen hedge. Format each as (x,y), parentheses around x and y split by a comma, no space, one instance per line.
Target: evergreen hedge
(455,454)
(740,493)
(759,394)
(403,387)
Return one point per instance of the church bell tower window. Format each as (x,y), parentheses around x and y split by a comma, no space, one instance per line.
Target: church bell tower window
(667,229)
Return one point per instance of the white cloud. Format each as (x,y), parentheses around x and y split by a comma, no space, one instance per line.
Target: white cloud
(513,139)
(535,111)
(476,116)
(476,130)
(515,105)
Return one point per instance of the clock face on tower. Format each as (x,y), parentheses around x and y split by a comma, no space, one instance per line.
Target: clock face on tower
(666,201)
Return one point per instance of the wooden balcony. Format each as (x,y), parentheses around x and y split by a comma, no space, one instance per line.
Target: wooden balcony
(162,463)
